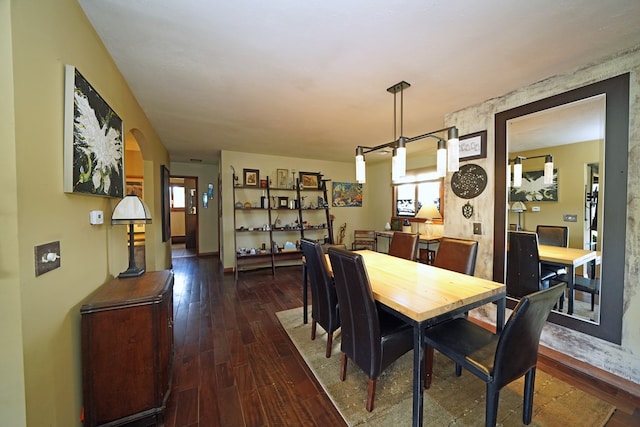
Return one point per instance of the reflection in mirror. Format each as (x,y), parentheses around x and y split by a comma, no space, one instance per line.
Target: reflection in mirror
(610,175)
(573,135)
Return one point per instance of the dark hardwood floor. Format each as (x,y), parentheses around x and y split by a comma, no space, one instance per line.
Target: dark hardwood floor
(235,366)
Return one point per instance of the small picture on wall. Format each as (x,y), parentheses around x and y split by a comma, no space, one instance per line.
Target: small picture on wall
(251,177)
(346,194)
(283,178)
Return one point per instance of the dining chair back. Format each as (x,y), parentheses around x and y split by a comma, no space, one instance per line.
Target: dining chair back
(552,235)
(523,265)
(324,301)
(457,255)
(404,245)
(364,239)
(499,359)
(371,338)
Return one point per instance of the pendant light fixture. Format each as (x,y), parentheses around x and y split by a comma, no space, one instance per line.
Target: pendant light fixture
(517,169)
(399,144)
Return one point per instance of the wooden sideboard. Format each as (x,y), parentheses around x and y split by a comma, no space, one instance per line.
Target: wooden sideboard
(127,350)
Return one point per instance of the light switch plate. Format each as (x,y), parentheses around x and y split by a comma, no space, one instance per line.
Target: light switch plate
(43,264)
(477,228)
(570,217)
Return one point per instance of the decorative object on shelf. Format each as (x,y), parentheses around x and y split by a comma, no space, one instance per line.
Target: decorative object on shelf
(129,211)
(263,183)
(282,176)
(467,210)
(310,180)
(283,202)
(473,146)
(533,188)
(251,177)
(93,140)
(239,205)
(387,226)
(247,205)
(346,194)
(469,182)
(398,146)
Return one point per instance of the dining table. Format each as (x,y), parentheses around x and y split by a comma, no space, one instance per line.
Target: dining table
(423,295)
(569,258)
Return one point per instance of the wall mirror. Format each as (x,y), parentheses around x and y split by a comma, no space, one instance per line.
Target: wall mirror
(609,172)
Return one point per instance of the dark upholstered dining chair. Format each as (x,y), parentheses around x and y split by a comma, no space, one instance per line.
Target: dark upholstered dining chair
(324,301)
(499,359)
(552,235)
(404,245)
(457,255)
(371,337)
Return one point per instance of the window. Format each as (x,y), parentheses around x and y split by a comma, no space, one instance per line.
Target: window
(409,197)
(177,196)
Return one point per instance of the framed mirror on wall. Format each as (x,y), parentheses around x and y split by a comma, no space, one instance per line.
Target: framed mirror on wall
(612,182)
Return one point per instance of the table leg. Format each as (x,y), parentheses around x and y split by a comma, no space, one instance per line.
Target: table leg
(418,374)
(570,286)
(500,313)
(304,294)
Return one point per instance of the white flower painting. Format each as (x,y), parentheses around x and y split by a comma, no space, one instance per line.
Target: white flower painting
(533,188)
(94,157)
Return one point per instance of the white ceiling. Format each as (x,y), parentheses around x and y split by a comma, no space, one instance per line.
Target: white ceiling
(308,78)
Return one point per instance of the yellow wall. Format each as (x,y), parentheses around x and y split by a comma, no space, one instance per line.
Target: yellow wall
(44,37)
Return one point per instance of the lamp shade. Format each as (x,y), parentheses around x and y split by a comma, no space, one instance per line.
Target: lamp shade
(131,210)
(518,207)
(429,211)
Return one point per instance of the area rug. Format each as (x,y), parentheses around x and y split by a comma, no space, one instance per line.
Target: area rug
(451,400)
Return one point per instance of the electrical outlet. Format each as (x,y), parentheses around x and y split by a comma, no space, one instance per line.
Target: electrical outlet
(477,228)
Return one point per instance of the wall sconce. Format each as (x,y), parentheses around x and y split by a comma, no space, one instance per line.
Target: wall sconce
(398,146)
(131,210)
(517,169)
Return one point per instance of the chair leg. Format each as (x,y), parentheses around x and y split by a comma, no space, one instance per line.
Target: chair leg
(593,297)
(527,408)
(329,344)
(313,329)
(428,366)
(458,370)
(371,391)
(491,410)
(343,367)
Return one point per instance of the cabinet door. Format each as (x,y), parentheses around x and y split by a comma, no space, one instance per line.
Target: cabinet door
(165,347)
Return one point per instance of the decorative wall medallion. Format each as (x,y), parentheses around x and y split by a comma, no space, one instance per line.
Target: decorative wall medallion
(469,182)
(467,210)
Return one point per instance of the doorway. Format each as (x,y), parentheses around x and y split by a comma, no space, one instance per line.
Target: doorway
(184,215)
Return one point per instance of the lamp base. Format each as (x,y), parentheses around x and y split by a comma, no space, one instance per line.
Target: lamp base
(131,272)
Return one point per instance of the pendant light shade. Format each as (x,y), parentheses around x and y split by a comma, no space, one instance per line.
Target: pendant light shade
(442,158)
(548,169)
(517,172)
(360,166)
(400,163)
(453,147)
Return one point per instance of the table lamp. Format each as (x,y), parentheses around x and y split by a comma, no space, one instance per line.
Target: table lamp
(428,212)
(518,207)
(131,210)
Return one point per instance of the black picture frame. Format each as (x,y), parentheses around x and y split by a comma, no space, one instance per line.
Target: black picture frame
(250,177)
(166,202)
(283,202)
(473,146)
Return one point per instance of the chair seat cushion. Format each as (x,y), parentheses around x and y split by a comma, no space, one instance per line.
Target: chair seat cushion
(466,343)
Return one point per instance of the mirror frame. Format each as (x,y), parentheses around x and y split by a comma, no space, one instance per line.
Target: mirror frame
(613,244)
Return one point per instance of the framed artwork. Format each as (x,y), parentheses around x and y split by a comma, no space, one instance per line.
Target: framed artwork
(282,176)
(93,141)
(473,146)
(346,194)
(309,180)
(134,186)
(250,177)
(283,202)
(533,188)
(166,203)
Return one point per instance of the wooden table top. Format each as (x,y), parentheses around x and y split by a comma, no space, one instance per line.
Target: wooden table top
(421,291)
(566,256)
